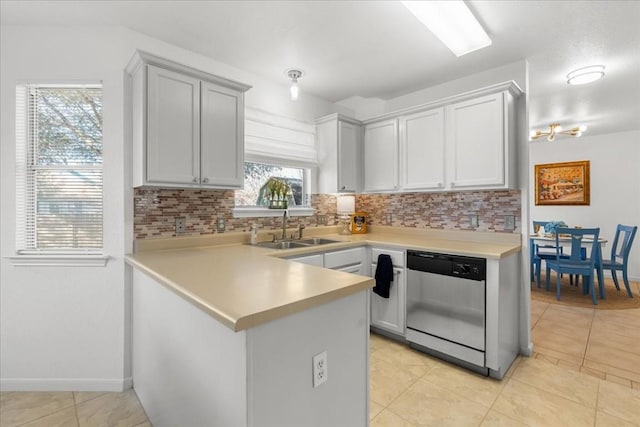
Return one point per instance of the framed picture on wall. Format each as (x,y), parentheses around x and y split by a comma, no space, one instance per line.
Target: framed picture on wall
(562,183)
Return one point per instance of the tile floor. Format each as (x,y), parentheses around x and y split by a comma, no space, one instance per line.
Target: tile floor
(585,372)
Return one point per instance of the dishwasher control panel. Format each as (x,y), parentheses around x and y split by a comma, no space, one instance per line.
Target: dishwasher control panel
(448,265)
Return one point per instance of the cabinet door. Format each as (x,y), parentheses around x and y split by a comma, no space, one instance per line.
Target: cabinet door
(381,156)
(317,259)
(422,150)
(222,144)
(348,156)
(476,140)
(173,127)
(389,313)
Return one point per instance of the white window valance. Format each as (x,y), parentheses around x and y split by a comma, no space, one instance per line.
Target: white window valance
(272,138)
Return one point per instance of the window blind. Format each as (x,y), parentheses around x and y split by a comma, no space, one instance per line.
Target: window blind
(59,170)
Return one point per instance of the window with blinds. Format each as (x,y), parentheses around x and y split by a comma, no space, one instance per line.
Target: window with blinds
(59,168)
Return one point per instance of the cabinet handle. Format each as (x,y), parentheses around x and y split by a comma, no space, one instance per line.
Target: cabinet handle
(344,187)
(195,180)
(205,180)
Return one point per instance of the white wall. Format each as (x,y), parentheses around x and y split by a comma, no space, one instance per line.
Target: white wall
(67,328)
(63,327)
(615,184)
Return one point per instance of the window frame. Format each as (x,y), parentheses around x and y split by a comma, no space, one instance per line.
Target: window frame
(263,211)
(25,166)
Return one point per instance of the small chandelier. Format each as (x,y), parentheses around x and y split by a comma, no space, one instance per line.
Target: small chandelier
(556,129)
(294,75)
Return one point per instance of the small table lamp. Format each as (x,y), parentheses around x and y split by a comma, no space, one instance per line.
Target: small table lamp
(346,205)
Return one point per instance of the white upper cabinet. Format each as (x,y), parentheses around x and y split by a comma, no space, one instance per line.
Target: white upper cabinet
(477,136)
(222,137)
(422,148)
(339,147)
(173,127)
(465,142)
(187,126)
(381,156)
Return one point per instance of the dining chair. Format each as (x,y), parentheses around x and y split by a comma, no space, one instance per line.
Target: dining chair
(620,255)
(540,252)
(578,262)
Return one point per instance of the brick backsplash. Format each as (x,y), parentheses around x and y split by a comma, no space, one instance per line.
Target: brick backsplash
(155,211)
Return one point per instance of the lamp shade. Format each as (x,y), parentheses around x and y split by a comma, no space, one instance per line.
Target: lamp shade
(346,204)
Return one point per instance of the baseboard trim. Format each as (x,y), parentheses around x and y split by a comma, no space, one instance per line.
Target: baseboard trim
(527,351)
(65,384)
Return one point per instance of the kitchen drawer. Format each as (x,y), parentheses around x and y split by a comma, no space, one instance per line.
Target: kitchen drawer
(309,259)
(397,257)
(342,258)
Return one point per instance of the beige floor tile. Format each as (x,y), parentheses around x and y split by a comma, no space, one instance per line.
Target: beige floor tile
(83,396)
(65,418)
(621,320)
(376,341)
(619,401)
(21,407)
(608,369)
(428,404)
(112,409)
(496,419)
(388,419)
(537,310)
(403,355)
(374,409)
(561,328)
(612,339)
(574,346)
(549,378)
(542,356)
(513,367)
(593,372)
(561,314)
(144,424)
(605,420)
(534,406)
(467,384)
(599,351)
(541,349)
(618,380)
(569,366)
(388,381)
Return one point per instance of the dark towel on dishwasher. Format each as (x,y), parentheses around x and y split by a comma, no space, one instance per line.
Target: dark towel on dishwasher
(384,275)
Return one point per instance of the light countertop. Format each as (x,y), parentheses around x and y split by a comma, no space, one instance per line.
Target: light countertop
(244,286)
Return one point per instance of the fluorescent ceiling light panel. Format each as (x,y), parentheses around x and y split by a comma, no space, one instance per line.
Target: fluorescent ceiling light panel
(452,22)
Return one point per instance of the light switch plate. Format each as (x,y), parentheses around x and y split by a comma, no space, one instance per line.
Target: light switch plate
(474,221)
(509,222)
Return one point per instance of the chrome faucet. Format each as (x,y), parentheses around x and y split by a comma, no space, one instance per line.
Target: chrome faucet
(284,225)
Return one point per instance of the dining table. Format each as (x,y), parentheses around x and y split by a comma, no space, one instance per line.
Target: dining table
(565,241)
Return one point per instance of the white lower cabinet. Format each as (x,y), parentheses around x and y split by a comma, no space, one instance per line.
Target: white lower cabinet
(390,313)
(316,259)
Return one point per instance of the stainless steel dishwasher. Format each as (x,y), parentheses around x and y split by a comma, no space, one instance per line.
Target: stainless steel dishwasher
(446,301)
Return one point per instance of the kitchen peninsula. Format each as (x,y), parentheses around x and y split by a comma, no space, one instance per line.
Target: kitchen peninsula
(224,333)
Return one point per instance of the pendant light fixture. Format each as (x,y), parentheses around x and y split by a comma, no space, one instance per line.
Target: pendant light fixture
(294,90)
(556,129)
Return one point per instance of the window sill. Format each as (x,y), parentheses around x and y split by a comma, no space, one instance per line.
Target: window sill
(57,260)
(251,211)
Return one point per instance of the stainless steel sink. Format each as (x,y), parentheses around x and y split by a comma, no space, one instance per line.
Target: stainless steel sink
(317,241)
(282,245)
(292,244)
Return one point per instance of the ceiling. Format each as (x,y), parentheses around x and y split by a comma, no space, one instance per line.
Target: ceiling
(378,49)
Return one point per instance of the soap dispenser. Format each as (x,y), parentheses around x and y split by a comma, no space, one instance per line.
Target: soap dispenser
(254,234)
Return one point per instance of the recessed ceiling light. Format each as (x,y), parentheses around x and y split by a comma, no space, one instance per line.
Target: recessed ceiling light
(452,22)
(585,75)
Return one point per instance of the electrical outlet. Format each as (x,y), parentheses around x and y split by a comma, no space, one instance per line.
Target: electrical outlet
(320,368)
(474,221)
(321,219)
(509,222)
(181,225)
(220,225)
